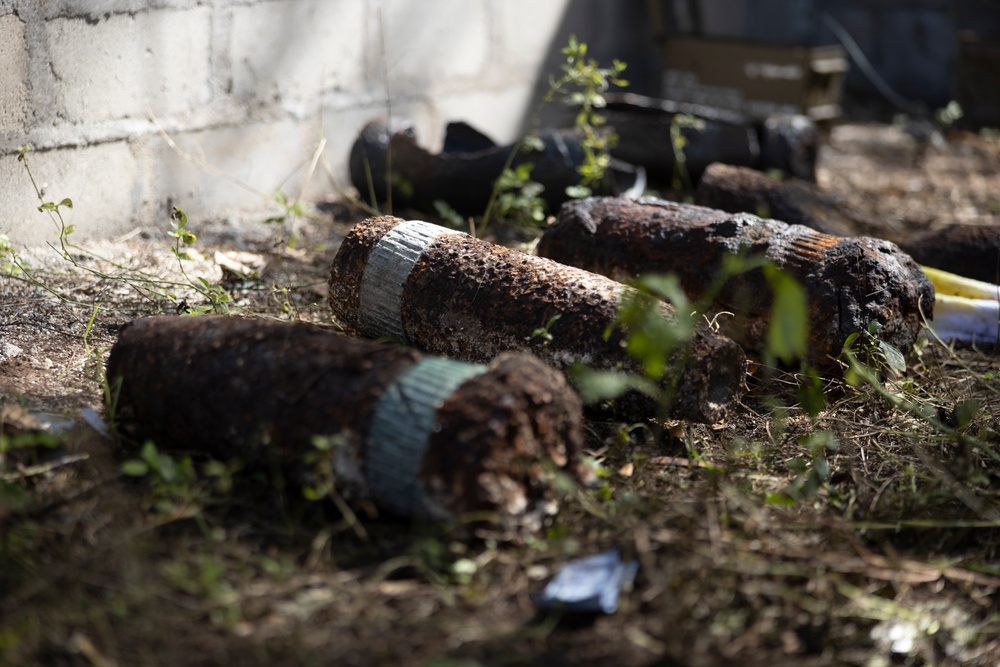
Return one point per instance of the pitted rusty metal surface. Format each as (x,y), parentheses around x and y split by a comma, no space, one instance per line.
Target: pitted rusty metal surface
(261,390)
(232,386)
(472,300)
(498,432)
(348,269)
(849,281)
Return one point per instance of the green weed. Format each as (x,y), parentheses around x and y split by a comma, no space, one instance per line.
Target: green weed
(678,143)
(515,197)
(661,346)
(175,485)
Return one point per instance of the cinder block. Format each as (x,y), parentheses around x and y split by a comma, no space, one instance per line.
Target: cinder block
(260,156)
(438,41)
(102,206)
(297,49)
(527,30)
(13,74)
(126,65)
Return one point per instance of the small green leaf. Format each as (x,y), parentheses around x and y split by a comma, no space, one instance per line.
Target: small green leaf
(965,411)
(798,465)
(180,217)
(166,468)
(135,468)
(47,206)
(604,493)
(666,287)
(893,357)
(810,393)
(532,142)
(523,171)
(67,202)
(819,442)
(577,191)
(595,386)
(788,335)
(215,468)
(149,454)
(780,500)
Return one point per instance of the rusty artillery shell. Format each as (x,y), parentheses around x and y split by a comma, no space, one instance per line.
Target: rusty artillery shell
(418,435)
(741,190)
(449,293)
(972,251)
(849,281)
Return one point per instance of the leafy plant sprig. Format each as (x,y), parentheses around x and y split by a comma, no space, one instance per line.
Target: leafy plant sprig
(582,84)
(879,355)
(678,143)
(662,346)
(218,298)
(155,289)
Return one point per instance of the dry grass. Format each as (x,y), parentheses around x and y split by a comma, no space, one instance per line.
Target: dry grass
(898,547)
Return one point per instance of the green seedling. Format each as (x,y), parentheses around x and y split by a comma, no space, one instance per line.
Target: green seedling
(582,85)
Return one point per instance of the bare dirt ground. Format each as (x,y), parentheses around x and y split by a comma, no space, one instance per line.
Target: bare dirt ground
(892,557)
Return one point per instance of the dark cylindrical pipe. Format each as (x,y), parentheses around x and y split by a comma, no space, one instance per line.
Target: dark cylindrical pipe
(849,281)
(452,294)
(967,250)
(418,435)
(740,190)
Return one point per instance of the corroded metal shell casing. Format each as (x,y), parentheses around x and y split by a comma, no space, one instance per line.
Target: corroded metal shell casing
(737,189)
(849,281)
(418,435)
(450,293)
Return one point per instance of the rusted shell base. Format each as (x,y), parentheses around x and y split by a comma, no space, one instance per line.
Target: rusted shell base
(849,281)
(469,299)
(972,251)
(419,435)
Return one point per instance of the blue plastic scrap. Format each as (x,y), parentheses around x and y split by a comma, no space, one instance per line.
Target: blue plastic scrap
(588,585)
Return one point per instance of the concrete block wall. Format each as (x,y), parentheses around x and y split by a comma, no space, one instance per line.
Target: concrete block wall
(248,86)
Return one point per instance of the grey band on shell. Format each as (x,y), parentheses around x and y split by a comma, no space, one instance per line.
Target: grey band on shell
(402,424)
(388,267)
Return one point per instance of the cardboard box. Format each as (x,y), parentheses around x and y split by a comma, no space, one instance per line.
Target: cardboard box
(756,79)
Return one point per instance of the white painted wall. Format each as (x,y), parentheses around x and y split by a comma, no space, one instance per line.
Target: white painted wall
(246,85)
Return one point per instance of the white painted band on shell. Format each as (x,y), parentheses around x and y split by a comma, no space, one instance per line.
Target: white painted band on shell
(389,265)
(966,320)
(401,427)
